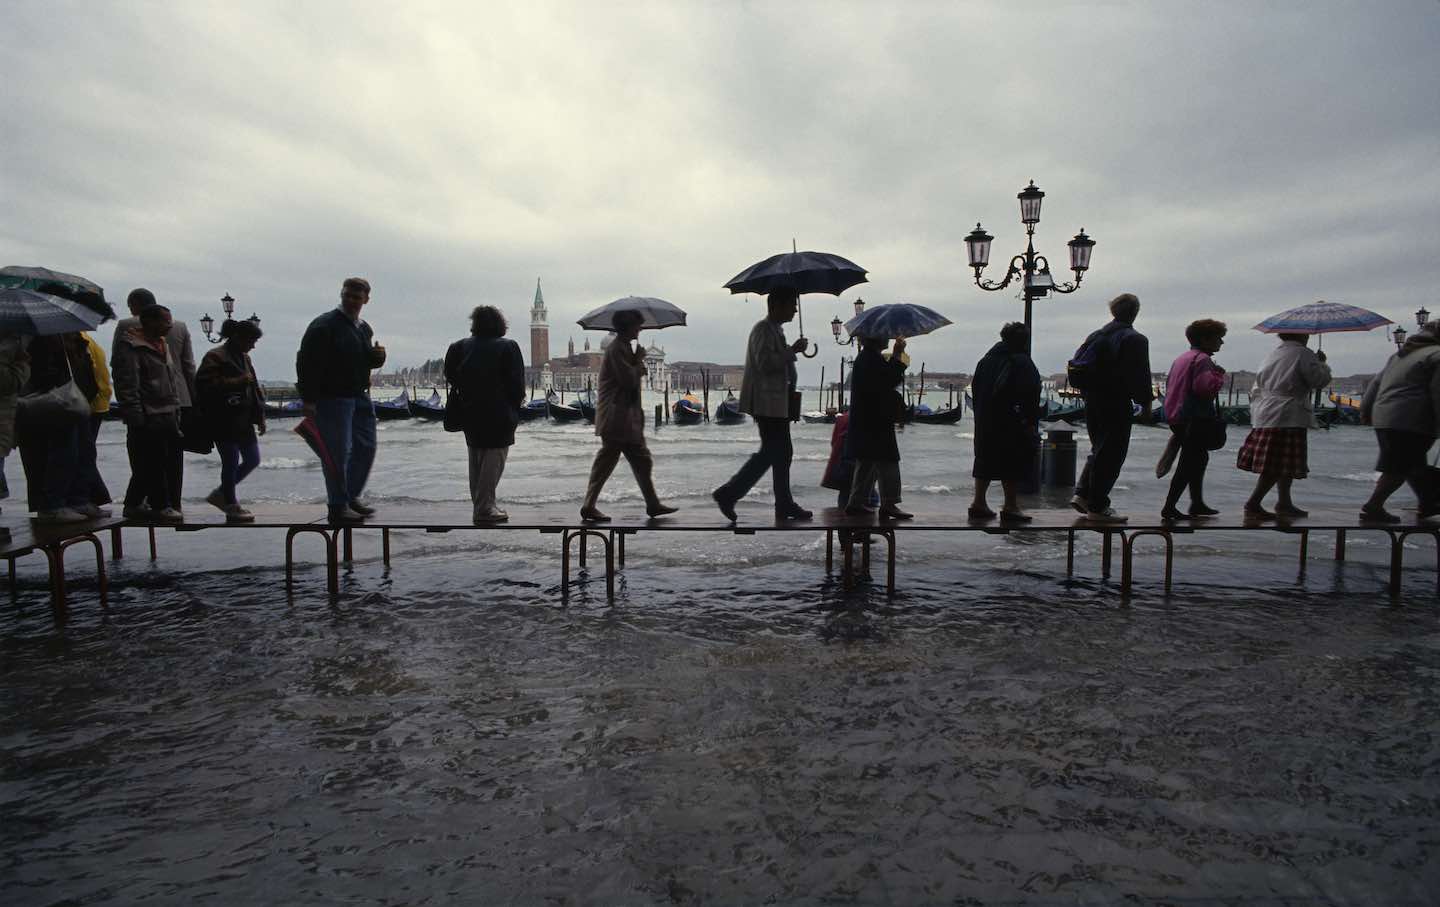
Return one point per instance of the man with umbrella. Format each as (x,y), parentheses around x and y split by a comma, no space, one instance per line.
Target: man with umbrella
(765,391)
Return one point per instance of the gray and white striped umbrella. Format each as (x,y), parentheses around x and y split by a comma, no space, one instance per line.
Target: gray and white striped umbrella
(25,311)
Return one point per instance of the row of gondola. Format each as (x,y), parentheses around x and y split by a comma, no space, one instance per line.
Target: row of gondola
(689,410)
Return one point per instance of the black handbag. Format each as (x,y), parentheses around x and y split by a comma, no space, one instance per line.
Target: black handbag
(194,433)
(1204,425)
(454,410)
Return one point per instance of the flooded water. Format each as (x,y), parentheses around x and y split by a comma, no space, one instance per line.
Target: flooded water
(737,728)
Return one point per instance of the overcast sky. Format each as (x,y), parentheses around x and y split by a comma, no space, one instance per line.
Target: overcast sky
(1230,159)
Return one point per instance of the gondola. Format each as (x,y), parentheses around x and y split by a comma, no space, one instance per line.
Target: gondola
(816,417)
(1346,410)
(1052,411)
(398,408)
(728,412)
(924,416)
(562,412)
(284,409)
(585,402)
(1236,415)
(432,409)
(688,410)
(535,409)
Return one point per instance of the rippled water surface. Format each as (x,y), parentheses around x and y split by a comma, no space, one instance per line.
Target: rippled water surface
(737,728)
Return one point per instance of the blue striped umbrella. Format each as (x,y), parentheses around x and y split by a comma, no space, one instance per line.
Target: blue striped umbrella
(1322,318)
(896,319)
(25,311)
(57,283)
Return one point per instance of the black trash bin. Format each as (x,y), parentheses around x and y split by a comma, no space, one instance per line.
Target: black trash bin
(1057,458)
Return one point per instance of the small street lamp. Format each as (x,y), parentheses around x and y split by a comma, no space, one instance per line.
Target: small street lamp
(1399,335)
(1422,317)
(836,324)
(207,324)
(1037,280)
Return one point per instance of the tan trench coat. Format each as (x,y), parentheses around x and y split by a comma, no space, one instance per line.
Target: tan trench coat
(769,372)
(619,417)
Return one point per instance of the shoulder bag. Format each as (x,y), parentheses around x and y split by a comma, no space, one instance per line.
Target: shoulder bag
(61,404)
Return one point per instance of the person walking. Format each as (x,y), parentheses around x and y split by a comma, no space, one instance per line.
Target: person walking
(1005,394)
(870,440)
(145,388)
(765,394)
(92,376)
(1277,447)
(1191,390)
(231,404)
(182,363)
(332,371)
(1403,403)
(57,490)
(14,375)
(620,420)
(486,374)
(1116,370)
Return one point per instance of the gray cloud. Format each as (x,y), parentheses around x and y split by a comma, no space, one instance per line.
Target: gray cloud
(1231,159)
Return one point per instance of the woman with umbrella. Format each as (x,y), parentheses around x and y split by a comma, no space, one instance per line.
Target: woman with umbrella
(1277,447)
(1006,395)
(870,441)
(620,418)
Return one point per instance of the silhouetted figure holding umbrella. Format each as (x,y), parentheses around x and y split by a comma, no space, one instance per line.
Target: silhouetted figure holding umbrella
(765,394)
(874,405)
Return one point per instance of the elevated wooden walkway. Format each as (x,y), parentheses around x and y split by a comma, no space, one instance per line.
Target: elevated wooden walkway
(854,535)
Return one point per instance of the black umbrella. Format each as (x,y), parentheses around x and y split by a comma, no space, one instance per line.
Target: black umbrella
(803,272)
(55,283)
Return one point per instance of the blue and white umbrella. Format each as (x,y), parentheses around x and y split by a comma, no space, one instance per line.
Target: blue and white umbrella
(57,283)
(25,311)
(1322,318)
(896,319)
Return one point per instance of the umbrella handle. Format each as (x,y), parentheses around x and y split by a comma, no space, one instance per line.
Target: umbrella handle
(812,352)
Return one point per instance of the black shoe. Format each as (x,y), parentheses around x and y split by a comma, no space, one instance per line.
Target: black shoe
(362,509)
(727,506)
(793,512)
(1172,514)
(1202,510)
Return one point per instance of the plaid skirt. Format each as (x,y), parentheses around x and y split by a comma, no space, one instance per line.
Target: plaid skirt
(1279,452)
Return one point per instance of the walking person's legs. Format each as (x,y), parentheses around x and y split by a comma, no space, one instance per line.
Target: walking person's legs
(487,465)
(776,435)
(979,509)
(96,493)
(605,459)
(229,472)
(1096,431)
(333,418)
(363,443)
(861,480)
(643,465)
(888,476)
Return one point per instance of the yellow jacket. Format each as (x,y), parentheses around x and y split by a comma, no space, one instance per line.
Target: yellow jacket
(101,402)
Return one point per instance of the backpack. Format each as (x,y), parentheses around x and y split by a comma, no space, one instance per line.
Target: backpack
(1083,370)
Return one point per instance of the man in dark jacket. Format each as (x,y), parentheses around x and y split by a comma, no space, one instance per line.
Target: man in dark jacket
(182,364)
(1120,373)
(332,372)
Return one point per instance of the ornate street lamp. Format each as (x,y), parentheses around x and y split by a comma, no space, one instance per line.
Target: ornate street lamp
(207,324)
(1399,335)
(836,324)
(1422,317)
(1034,270)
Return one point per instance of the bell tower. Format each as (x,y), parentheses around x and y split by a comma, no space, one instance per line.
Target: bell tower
(539,330)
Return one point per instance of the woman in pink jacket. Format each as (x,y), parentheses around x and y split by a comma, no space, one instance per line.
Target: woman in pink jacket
(1190,394)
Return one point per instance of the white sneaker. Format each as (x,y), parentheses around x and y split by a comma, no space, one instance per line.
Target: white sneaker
(1080,504)
(1108,515)
(63,515)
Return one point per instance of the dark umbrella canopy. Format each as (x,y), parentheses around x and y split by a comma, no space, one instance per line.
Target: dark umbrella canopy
(56,283)
(25,311)
(804,272)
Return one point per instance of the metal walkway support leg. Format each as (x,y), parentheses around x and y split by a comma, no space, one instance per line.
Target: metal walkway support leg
(1070,553)
(1127,556)
(101,580)
(1339,544)
(1304,548)
(570,535)
(1105,555)
(847,561)
(117,544)
(889,536)
(332,559)
(829,550)
(385,546)
(349,546)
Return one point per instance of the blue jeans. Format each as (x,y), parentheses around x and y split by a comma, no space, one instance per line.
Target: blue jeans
(347,425)
(237,460)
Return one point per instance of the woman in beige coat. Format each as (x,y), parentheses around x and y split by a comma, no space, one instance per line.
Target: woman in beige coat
(620,420)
